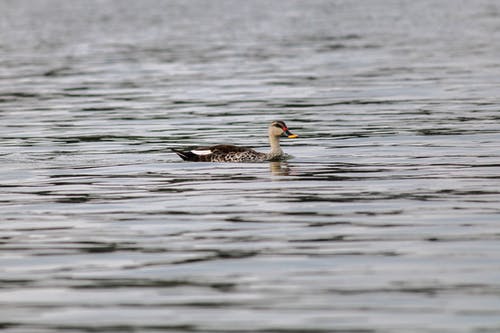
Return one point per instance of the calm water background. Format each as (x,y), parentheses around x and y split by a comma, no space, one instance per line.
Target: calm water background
(386,219)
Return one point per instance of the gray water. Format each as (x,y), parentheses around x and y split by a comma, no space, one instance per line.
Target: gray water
(385,219)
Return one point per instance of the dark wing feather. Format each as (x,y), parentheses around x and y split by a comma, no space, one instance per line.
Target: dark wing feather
(187,155)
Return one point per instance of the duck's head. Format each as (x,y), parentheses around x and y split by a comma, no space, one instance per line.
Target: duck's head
(278,128)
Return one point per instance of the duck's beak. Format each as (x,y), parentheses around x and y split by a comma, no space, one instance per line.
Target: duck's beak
(290,135)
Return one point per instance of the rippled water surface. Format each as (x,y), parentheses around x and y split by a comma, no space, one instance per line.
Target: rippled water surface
(385,219)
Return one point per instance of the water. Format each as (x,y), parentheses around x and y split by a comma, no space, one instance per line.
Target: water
(385,219)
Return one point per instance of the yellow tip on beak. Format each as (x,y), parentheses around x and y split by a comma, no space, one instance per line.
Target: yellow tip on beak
(293,136)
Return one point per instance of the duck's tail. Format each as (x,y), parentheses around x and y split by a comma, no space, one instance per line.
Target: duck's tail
(186,155)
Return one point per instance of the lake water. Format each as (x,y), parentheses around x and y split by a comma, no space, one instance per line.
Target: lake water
(386,219)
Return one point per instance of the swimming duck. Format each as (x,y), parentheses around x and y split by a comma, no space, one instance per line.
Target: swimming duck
(230,153)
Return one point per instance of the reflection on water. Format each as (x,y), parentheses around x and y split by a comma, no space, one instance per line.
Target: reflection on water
(385,219)
(279,168)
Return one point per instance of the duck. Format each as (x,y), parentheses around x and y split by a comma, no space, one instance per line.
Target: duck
(232,153)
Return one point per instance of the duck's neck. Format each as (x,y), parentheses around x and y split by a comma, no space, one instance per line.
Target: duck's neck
(276,151)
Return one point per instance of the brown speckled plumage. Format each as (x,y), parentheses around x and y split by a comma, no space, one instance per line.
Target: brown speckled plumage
(231,153)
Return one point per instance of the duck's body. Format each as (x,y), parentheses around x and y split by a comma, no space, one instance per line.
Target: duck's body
(222,153)
(231,153)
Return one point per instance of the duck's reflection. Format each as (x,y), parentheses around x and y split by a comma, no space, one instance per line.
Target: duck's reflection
(279,168)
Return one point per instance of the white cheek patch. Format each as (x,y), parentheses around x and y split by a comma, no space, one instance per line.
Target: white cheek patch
(201,152)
